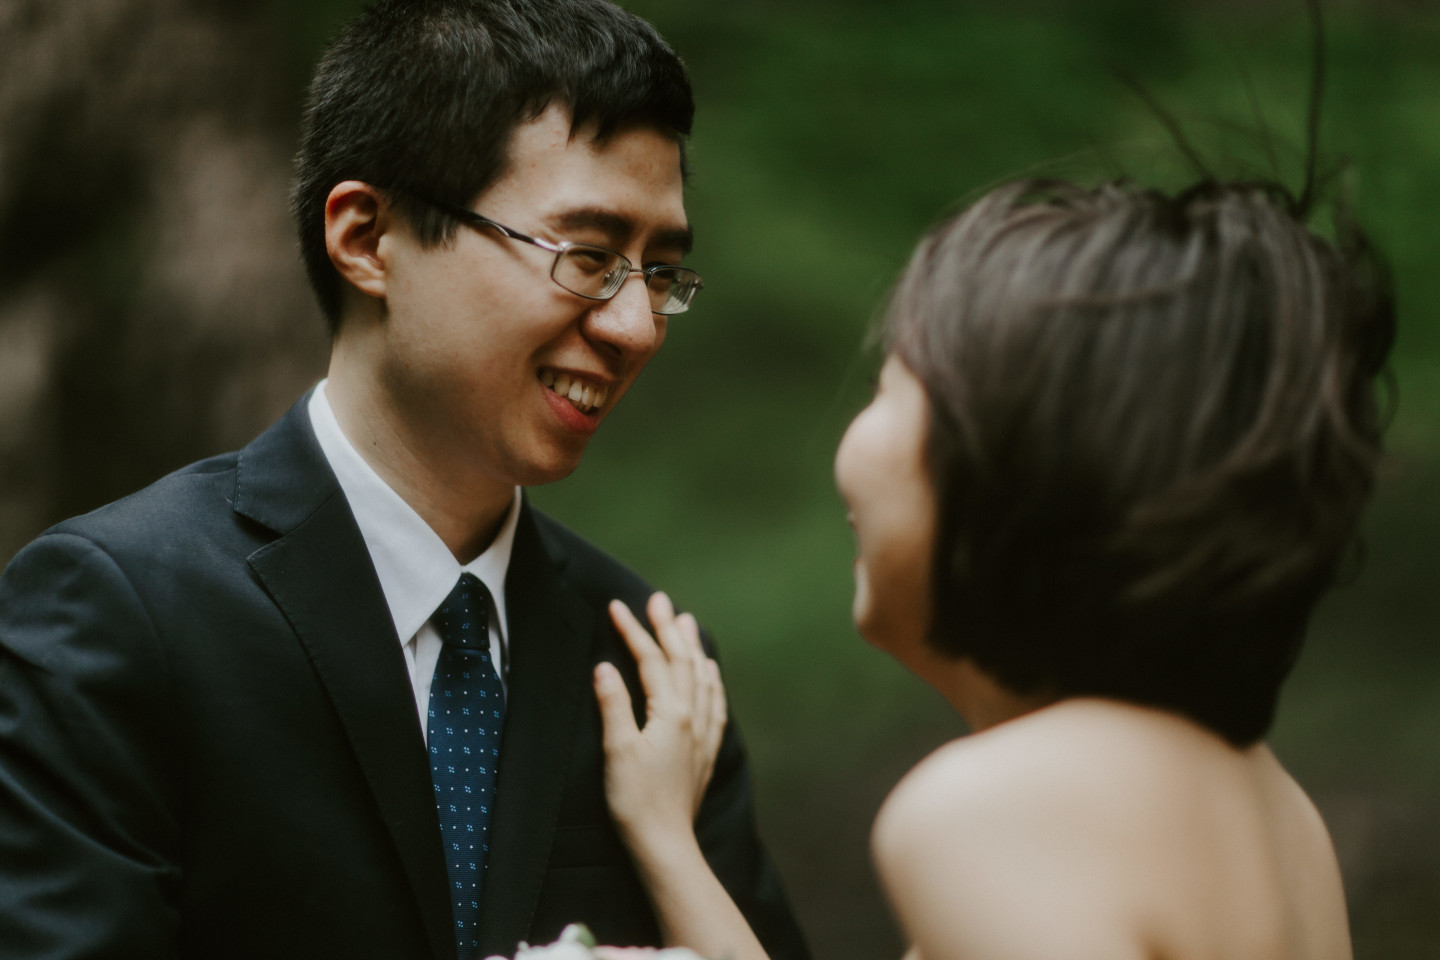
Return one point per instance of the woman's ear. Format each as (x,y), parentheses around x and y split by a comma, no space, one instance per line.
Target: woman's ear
(356,216)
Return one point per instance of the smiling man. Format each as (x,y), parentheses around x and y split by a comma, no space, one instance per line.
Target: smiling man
(329,696)
(485,363)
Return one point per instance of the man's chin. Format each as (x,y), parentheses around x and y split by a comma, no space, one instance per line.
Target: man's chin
(539,472)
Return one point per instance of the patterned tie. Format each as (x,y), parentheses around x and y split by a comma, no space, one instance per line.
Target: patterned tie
(467,711)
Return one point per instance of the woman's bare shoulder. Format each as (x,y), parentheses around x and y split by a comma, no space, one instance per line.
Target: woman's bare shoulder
(1092,759)
(1026,835)
(1089,826)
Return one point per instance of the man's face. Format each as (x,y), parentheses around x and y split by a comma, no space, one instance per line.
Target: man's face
(478,336)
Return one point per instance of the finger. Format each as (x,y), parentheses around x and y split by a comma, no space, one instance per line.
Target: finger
(719,716)
(616,713)
(710,733)
(719,710)
(671,638)
(654,676)
(702,687)
(691,632)
(662,615)
(637,638)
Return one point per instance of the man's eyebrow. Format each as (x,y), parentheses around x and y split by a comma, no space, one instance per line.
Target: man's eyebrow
(622,228)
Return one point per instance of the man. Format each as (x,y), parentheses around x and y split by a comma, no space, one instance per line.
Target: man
(232,705)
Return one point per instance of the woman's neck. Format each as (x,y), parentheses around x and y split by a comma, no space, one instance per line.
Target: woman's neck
(981,700)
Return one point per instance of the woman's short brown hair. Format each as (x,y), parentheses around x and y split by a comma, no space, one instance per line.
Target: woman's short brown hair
(1153,427)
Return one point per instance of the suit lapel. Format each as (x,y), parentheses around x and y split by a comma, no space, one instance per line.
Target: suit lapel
(320,576)
(551,634)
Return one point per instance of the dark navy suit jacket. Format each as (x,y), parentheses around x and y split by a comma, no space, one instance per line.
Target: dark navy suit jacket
(209,746)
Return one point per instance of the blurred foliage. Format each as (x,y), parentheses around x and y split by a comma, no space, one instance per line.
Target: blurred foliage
(830,134)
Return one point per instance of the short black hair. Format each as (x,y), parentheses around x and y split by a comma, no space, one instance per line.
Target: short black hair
(421,97)
(1153,426)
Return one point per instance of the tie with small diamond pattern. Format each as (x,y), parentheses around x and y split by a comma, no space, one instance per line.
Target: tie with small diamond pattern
(467,710)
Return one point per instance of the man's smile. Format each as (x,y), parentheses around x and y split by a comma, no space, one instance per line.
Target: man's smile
(587,396)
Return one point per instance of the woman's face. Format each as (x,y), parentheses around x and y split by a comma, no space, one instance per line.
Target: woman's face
(881,472)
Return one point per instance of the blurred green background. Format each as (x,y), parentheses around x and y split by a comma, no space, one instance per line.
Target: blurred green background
(829,135)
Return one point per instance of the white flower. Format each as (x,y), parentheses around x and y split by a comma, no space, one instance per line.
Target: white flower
(576,942)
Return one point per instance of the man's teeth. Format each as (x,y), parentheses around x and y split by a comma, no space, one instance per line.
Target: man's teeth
(583,396)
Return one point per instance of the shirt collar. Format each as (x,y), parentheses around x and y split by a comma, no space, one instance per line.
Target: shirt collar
(416,570)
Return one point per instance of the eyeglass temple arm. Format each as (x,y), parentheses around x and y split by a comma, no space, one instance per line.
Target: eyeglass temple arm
(466,215)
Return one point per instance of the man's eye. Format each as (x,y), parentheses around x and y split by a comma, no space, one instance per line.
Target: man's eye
(591,261)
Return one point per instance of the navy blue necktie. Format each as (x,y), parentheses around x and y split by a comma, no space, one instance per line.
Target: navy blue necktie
(467,711)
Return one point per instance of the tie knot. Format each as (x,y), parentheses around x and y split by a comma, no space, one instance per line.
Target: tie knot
(463,618)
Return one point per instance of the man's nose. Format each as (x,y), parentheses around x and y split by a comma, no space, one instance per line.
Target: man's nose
(625,322)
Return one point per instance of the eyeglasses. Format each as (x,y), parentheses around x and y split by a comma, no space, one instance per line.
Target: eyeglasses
(594,272)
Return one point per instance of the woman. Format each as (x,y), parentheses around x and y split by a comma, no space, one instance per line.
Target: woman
(1118,450)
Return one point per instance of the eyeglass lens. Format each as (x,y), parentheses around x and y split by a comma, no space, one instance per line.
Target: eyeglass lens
(598,273)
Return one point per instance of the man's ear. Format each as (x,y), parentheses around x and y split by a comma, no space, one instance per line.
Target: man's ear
(356,216)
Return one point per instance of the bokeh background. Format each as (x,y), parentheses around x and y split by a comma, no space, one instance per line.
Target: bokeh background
(153,311)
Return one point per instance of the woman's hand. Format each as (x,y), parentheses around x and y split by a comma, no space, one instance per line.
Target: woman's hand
(656,777)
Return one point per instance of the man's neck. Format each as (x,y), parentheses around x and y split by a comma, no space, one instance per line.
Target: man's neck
(465,511)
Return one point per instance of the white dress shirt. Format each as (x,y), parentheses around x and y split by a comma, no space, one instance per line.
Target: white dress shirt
(417,571)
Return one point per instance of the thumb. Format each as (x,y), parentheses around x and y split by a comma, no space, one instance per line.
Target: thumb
(615,710)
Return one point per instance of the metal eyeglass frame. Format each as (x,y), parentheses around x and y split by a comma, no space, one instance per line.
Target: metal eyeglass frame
(473,219)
